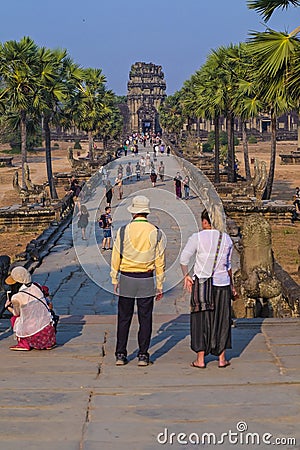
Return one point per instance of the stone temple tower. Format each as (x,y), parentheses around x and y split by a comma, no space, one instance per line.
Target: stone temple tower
(146,91)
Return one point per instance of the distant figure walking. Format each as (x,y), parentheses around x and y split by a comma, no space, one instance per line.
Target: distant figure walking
(109,192)
(129,171)
(119,186)
(138,171)
(178,184)
(161,171)
(153,177)
(106,226)
(83,221)
(186,186)
(148,161)
(143,165)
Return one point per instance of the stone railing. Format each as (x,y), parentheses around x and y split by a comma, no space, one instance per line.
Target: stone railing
(290,158)
(34,216)
(236,211)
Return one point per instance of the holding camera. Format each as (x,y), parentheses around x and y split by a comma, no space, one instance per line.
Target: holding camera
(32,320)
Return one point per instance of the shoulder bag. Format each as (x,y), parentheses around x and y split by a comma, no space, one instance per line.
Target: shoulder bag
(202,293)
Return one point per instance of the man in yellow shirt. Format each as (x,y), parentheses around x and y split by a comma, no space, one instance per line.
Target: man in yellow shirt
(138,251)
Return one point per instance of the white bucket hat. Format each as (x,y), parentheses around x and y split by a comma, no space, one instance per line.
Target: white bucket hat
(18,275)
(140,204)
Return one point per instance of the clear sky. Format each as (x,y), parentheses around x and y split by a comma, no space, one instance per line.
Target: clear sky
(113,34)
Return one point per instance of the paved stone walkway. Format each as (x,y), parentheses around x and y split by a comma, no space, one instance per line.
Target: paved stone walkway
(74,397)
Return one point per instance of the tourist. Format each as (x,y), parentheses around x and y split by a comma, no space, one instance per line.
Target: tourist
(153,177)
(186,187)
(106,217)
(109,190)
(161,171)
(178,184)
(83,221)
(104,175)
(129,171)
(143,165)
(119,186)
(210,329)
(75,190)
(138,251)
(168,150)
(296,208)
(148,162)
(138,171)
(31,320)
(162,148)
(120,171)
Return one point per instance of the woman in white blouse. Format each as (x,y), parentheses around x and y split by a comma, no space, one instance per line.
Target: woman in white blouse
(31,320)
(210,330)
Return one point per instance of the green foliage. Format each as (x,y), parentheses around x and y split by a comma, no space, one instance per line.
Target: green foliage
(56,145)
(207,147)
(252,139)
(267,7)
(77,145)
(171,114)
(121,99)
(287,231)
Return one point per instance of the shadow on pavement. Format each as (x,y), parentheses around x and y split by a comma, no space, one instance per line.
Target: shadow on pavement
(69,328)
(172,332)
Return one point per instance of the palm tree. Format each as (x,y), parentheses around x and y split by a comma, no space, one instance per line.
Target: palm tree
(276,59)
(92,105)
(267,7)
(110,126)
(227,72)
(201,99)
(19,69)
(171,115)
(60,78)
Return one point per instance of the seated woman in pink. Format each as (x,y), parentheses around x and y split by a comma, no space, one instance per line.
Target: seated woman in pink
(32,320)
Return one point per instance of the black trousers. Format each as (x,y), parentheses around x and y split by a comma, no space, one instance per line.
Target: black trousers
(125,313)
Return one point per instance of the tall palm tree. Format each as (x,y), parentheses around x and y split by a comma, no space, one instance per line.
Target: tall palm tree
(227,69)
(202,99)
(60,79)
(171,115)
(19,69)
(92,105)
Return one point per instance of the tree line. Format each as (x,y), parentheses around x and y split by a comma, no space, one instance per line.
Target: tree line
(41,87)
(259,76)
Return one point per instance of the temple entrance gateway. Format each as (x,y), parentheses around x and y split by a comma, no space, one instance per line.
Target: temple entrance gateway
(146,91)
(146,126)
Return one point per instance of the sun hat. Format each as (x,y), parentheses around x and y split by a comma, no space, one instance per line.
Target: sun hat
(18,275)
(140,204)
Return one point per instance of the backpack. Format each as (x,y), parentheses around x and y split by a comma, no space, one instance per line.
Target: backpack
(102,221)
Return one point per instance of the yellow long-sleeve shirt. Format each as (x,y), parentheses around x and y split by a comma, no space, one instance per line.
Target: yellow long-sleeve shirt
(141,251)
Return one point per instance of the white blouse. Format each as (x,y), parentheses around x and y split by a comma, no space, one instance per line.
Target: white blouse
(204,244)
(33,316)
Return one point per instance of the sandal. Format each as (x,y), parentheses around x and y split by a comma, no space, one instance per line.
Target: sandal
(226,364)
(197,366)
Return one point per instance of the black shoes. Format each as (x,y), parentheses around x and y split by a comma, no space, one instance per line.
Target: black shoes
(143,360)
(121,359)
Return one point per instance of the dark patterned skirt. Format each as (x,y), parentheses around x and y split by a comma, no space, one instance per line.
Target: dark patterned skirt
(211,330)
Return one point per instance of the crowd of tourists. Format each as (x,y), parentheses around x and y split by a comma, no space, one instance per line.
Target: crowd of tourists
(138,268)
